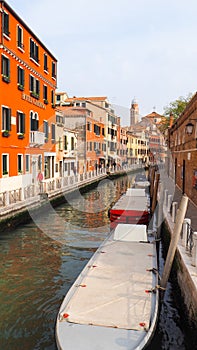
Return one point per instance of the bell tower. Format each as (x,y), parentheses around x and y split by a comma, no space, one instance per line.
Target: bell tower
(134,112)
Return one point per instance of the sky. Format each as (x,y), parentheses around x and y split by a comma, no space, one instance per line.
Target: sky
(143,49)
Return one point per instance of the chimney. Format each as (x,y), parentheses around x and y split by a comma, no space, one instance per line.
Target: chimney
(171,120)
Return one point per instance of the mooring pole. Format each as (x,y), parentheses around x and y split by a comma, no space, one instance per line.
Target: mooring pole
(174,241)
(155,191)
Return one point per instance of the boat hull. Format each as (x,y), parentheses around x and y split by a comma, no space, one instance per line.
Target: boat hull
(101,311)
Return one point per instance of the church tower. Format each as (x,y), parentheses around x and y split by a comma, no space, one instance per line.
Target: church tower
(134,112)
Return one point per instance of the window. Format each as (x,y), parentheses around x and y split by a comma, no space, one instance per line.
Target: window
(20,37)
(27,163)
(34,121)
(45,62)
(45,93)
(72,143)
(6,24)
(20,122)
(83,104)
(20,78)
(6,118)
(97,129)
(53,132)
(53,70)
(59,119)
(39,162)
(46,130)
(20,163)
(5,164)
(5,69)
(88,126)
(34,51)
(34,87)
(65,143)
(52,98)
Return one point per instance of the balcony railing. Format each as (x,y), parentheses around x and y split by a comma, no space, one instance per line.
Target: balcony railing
(37,138)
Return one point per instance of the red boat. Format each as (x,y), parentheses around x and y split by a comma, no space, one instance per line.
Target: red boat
(131,208)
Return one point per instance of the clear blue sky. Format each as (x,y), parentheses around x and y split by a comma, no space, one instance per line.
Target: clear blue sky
(122,49)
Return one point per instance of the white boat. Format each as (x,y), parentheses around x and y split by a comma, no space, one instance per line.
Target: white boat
(141,181)
(113,304)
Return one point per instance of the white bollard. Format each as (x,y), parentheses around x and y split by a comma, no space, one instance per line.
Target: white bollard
(185,231)
(194,250)
(174,210)
(169,203)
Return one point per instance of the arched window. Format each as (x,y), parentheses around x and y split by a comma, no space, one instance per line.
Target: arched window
(34,121)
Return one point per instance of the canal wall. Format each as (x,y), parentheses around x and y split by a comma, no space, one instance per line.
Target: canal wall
(184,265)
(18,206)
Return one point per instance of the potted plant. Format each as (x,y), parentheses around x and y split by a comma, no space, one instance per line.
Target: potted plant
(5,78)
(20,87)
(20,135)
(5,133)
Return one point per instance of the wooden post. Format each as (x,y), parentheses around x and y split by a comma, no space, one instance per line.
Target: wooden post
(160,211)
(152,183)
(174,241)
(154,201)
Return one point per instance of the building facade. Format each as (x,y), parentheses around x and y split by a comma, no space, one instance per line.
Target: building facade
(27,102)
(182,150)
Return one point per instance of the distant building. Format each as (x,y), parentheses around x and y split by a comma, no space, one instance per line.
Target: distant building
(134,112)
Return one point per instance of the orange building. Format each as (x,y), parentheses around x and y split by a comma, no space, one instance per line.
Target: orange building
(91,143)
(27,92)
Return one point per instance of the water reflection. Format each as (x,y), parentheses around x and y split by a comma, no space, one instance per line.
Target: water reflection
(40,261)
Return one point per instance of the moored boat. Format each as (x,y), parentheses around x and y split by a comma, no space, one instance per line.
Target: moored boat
(113,304)
(141,181)
(131,208)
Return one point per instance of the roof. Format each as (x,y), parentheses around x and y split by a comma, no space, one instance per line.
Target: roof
(98,98)
(154,115)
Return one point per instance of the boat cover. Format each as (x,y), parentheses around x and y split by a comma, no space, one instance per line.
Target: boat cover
(137,192)
(130,233)
(115,290)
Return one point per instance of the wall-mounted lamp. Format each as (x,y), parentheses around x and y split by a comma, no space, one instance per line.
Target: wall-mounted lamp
(189,128)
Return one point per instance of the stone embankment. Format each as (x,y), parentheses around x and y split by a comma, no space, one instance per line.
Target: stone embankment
(185,263)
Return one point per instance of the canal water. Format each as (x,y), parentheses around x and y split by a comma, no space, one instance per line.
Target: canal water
(40,261)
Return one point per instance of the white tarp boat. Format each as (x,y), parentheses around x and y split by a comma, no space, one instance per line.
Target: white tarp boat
(141,181)
(113,304)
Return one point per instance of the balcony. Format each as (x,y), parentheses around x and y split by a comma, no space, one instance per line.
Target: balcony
(37,138)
